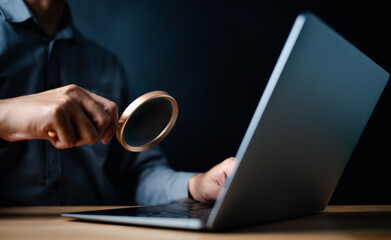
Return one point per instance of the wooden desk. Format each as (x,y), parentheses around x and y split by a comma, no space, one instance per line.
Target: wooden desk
(336,222)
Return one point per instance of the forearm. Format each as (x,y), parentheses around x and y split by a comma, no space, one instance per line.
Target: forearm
(162,184)
(157,182)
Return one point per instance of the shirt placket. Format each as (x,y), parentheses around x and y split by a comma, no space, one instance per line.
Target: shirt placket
(53,164)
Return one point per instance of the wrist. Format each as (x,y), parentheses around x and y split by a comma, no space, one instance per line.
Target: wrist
(3,124)
(7,121)
(194,186)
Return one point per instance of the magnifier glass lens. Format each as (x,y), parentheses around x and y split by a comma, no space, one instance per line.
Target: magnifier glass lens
(147,122)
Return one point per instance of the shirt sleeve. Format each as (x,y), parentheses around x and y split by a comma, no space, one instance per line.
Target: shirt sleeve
(158,183)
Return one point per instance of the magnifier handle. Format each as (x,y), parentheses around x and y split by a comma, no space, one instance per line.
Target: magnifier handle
(52,133)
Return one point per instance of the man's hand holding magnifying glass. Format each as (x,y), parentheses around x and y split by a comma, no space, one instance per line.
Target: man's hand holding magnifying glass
(75,115)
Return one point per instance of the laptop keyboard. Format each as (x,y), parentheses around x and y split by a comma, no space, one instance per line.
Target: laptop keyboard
(174,210)
(197,213)
(171,210)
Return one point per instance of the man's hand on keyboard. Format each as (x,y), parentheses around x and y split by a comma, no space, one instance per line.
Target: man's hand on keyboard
(205,187)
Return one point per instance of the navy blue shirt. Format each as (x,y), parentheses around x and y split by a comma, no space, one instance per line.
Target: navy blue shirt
(34,172)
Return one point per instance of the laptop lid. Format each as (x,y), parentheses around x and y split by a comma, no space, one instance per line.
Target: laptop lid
(313,110)
(310,117)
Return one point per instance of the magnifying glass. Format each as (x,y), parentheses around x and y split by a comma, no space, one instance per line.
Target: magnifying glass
(146,121)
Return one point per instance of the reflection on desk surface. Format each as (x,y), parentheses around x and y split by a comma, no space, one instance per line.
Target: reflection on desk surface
(337,222)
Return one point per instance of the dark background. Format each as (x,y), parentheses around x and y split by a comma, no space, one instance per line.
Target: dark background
(215,58)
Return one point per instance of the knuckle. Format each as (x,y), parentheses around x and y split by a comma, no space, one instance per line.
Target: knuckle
(65,145)
(71,88)
(113,106)
(59,110)
(61,146)
(102,121)
(91,138)
(67,142)
(110,107)
(107,120)
(66,100)
(229,160)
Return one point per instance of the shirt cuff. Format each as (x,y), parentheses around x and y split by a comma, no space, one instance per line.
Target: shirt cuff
(180,187)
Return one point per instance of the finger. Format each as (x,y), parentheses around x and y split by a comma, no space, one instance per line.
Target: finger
(214,188)
(65,133)
(111,109)
(230,165)
(86,131)
(223,170)
(72,126)
(100,119)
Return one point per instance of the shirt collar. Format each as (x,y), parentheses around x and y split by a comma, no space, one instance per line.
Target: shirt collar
(69,31)
(16,11)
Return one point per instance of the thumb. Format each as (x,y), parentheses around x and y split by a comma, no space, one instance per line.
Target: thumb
(226,167)
(229,165)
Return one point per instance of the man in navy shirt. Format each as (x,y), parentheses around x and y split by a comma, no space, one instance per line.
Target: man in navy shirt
(53,78)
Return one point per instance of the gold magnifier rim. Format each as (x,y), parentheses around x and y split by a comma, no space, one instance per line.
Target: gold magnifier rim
(133,107)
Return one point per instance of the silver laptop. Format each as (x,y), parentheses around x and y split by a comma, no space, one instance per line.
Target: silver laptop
(309,119)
